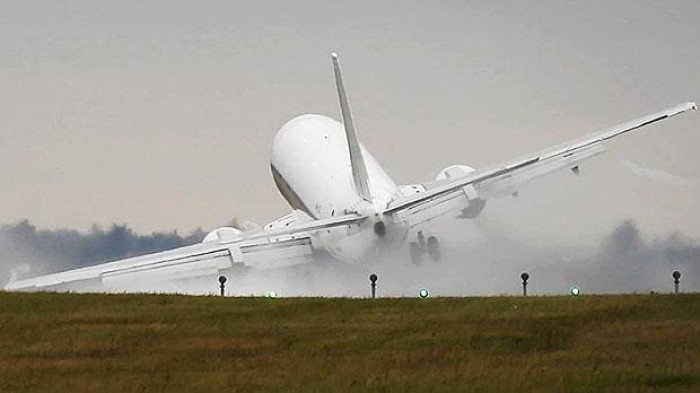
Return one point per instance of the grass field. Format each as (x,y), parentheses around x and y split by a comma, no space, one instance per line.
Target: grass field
(120,343)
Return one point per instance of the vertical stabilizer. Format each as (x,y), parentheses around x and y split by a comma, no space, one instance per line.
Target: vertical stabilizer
(359,169)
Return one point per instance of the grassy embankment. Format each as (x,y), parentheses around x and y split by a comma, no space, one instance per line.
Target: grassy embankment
(61,342)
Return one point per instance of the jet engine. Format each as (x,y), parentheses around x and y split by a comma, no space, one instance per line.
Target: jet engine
(453,172)
(222,234)
(476,204)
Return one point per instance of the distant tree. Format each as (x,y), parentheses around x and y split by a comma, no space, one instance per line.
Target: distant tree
(196,236)
(62,249)
(625,240)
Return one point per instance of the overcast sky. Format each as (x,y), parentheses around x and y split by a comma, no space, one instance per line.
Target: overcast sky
(161,114)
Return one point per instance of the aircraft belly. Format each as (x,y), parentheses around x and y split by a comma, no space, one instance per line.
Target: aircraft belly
(432,209)
(348,245)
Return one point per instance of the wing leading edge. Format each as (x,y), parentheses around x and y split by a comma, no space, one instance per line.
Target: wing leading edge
(502,179)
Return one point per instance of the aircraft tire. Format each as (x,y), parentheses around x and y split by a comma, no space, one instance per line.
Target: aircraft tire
(416,252)
(434,248)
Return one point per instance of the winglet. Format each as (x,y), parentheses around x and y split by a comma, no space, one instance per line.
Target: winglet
(677,110)
(357,162)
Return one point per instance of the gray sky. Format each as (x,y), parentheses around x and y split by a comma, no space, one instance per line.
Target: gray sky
(161,114)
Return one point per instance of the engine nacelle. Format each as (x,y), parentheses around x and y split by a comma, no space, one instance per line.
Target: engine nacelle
(223,234)
(475,203)
(453,172)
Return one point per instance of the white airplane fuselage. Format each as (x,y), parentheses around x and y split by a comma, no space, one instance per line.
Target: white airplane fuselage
(344,203)
(313,172)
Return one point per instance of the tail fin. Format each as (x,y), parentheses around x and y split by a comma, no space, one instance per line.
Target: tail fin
(359,169)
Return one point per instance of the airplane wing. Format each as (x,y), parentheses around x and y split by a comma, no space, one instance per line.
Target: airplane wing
(469,192)
(267,249)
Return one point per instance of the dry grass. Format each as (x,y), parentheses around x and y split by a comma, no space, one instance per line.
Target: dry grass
(61,342)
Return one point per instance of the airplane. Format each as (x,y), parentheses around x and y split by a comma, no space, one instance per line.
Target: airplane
(343,204)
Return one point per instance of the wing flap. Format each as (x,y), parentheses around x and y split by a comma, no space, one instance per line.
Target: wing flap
(509,183)
(181,259)
(502,178)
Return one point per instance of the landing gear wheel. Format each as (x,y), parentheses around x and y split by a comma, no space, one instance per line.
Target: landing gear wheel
(416,253)
(434,248)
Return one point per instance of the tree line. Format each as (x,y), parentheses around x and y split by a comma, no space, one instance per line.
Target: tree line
(24,247)
(623,259)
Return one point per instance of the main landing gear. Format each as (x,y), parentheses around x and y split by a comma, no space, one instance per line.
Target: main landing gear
(430,246)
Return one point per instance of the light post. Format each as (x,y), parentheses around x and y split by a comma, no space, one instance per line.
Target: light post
(222,284)
(524,277)
(373,284)
(676,280)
